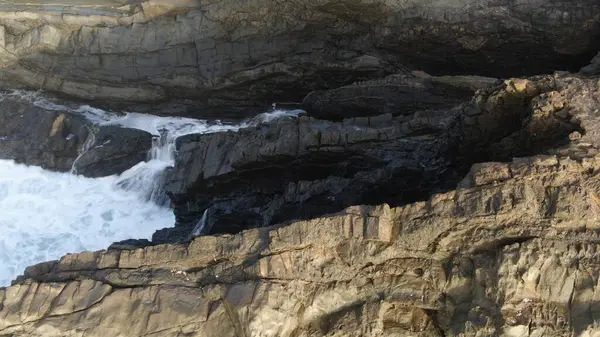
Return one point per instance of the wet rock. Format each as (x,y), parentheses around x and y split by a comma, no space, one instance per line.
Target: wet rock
(113,150)
(35,136)
(306,167)
(300,168)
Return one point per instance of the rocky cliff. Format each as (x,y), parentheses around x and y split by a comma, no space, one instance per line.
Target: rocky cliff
(421,194)
(238,56)
(512,251)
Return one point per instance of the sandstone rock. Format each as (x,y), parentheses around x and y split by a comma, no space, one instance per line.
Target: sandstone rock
(515,258)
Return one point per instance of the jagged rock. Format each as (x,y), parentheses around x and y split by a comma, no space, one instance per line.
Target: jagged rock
(238,56)
(515,257)
(113,150)
(35,136)
(303,168)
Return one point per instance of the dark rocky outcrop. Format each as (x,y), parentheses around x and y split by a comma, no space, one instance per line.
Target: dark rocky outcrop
(237,57)
(301,168)
(304,168)
(35,136)
(112,150)
(394,94)
(63,140)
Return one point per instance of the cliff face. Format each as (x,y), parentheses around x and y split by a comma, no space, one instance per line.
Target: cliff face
(305,167)
(240,56)
(514,254)
(511,252)
(411,199)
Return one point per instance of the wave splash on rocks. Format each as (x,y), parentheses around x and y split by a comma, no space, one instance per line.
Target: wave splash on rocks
(46,215)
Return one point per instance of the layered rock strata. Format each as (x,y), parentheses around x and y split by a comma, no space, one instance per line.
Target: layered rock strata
(513,253)
(237,57)
(303,168)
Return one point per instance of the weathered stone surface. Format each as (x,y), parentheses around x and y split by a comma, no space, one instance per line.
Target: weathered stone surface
(516,257)
(395,94)
(299,168)
(35,136)
(305,167)
(238,56)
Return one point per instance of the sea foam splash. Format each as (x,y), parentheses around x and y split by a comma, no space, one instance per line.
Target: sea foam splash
(45,215)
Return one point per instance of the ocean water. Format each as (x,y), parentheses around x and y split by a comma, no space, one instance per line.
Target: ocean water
(45,215)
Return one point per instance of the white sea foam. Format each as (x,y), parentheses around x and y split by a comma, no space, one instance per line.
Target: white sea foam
(45,215)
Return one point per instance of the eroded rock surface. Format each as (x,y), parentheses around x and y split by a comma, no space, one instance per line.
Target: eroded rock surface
(514,254)
(64,140)
(480,197)
(513,251)
(234,57)
(112,150)
(305,167)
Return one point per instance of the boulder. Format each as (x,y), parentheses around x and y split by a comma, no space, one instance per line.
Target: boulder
(113,150)
(32,135)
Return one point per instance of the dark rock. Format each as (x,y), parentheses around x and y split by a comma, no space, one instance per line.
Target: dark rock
(303,168)
(593,68)
(114,149)
(35,136)
(129,244)
(395,94)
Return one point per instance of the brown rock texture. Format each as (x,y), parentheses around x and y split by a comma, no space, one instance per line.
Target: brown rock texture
(513,251)
(412,198)
(516,258)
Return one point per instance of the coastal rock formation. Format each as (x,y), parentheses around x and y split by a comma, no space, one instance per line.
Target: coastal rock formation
(304,168)
(412,199)
(513,253)
(236,57)
(394,94)
(112,150)
(33,135)
(64,140)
